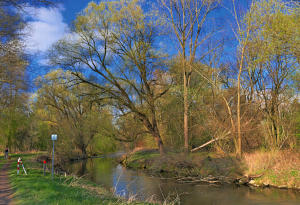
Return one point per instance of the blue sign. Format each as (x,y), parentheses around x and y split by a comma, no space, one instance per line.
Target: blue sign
(53,137)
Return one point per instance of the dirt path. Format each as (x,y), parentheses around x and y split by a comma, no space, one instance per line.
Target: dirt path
(6,192)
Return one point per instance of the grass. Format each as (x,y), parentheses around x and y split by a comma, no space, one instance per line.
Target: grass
(279,168)
(2,161)
(35,188)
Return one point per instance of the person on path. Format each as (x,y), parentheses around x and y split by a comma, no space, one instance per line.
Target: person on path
(6,153)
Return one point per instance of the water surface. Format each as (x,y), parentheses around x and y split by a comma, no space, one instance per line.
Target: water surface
(130,183)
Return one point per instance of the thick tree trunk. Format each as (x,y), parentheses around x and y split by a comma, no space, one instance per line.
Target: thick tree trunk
(160,144)
(82,169)
(153,129)
(158,139)
(83,151)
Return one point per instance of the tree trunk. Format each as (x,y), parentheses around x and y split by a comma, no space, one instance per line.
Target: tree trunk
(239,140)
(160,144)
(153,129)
(157,136)
(239,137)
(83,151)
(185,115)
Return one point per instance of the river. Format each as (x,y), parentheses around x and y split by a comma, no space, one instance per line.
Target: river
(139,185)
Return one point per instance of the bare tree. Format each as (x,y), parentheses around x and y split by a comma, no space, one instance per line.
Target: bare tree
(188,18)
(114,43)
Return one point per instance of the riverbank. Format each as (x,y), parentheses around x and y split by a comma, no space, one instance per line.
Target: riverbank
(279,169)
(35,188)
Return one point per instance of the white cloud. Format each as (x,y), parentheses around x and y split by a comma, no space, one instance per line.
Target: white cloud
(43,61)
(45,27)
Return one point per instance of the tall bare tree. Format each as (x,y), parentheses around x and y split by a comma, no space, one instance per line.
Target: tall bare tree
(187,18)
(113,44)
(242,34)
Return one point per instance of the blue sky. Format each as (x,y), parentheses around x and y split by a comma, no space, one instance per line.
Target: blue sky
(45,27)
(48,25)
(72,7)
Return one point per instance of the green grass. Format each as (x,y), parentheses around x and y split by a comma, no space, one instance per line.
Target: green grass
(2,161)
(35,188)
(284,178)
(294,173)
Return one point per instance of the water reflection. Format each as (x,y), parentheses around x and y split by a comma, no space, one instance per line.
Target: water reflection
(129,183)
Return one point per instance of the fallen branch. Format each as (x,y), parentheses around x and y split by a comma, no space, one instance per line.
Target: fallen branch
(211,141)
(205,144)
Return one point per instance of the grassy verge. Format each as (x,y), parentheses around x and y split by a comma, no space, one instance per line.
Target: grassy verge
(2,161)
(35,188)
(277,168)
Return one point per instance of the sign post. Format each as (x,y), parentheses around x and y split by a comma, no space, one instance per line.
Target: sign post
(44,166)
(18,166)
(53,138)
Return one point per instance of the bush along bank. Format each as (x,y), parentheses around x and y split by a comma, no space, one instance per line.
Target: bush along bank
(261,169)
(35,188)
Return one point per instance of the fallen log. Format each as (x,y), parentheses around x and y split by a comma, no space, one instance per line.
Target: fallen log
(224,136)
(205,144)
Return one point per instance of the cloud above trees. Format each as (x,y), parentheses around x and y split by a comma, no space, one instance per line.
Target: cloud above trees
(45,27)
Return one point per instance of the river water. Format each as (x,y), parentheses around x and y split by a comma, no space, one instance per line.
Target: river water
(139,185)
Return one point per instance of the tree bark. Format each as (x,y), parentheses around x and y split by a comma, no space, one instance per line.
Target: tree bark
(160,144)
(185,114)
(239,140)
(83,150)
(239,137)
(153,129)
(158,139)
